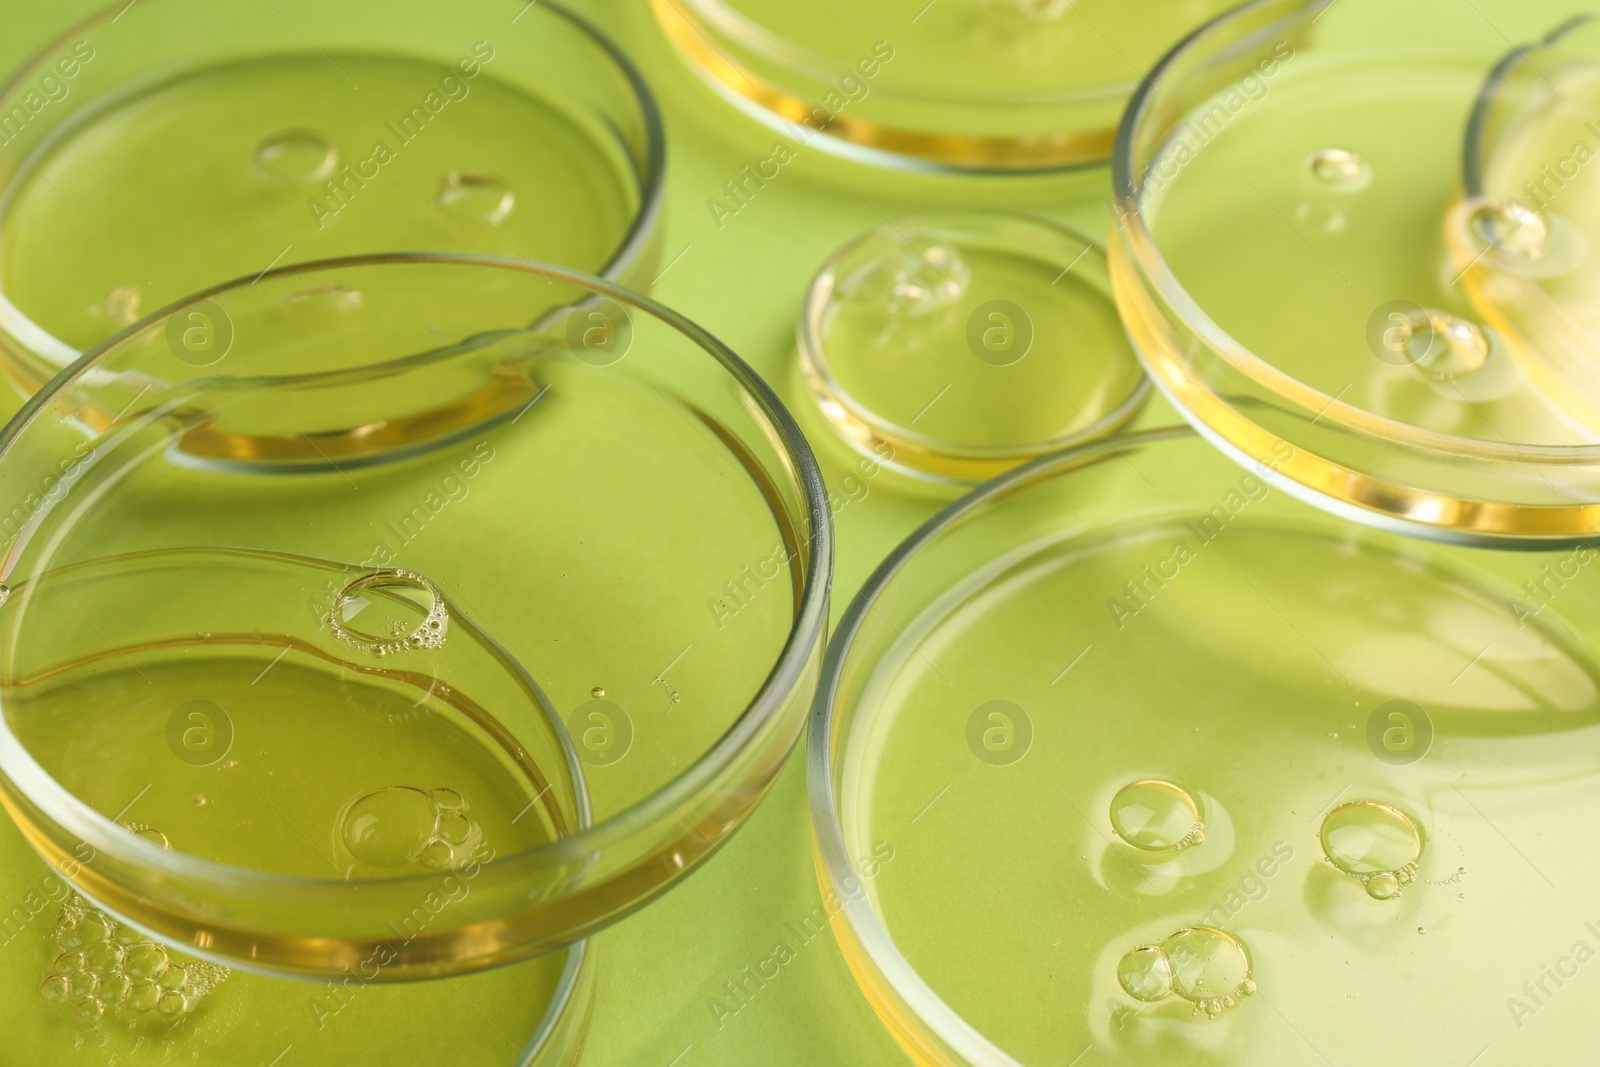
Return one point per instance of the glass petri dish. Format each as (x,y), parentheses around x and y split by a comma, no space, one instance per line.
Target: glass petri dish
(1286,265)
(973,85)
(1269,792)
(157,149)
(1527,227)
(483,598)
(962,343)
(532,1014)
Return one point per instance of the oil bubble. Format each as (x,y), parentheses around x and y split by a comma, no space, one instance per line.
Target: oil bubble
(1200,964)
(1511,227)
(480,198)
(1375,844)
(145,960)
(1157,816)
(294,157)
(1145,974)
(390,611)
(114,988)
(389,827)
(907,282)
(1208,966)
(143,997)
(1339,169)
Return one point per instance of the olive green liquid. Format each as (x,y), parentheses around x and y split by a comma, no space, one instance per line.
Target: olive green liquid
(222,173)
(262,755)
(1296,259)
(1245,667)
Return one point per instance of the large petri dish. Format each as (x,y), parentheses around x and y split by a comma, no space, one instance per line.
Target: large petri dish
(1529,235)
(1288,263)
(1132,756)
(159,148)
(597,598)
(966,85)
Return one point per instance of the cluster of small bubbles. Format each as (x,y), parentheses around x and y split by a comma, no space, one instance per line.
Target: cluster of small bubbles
(1157,816)
(1375,844)
(105,967)
(1340,169)
(121,305)
(907,282)
(398,826)
(148,832)
(1200,964)
(429,634)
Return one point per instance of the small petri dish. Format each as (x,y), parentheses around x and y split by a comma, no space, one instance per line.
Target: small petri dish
(962,343)
(1287,264)
(976,85)
(144,1002)
(387,650)
(1132,756)
(157,149)
(1527,228)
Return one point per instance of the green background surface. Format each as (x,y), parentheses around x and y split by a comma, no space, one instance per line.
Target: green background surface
(660,971)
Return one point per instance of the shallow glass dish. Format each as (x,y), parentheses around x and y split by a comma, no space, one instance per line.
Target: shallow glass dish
(1131,756)
(460,562)
(532,1014)
(1287,260)
(161,147)
(961,343)
(967,85)
(1526,171)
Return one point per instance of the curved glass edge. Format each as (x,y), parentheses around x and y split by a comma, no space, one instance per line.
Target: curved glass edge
(917,455)
(929,1031)
(33,356)
(864,140)
(1154,304)
(1556,353)
(717,792)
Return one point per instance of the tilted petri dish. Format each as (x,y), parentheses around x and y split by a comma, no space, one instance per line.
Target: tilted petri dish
(1529,231)
(74,979)
(629,567)
(1286,260)
(964,85)
(959,344)
(161,147)
(1132,756)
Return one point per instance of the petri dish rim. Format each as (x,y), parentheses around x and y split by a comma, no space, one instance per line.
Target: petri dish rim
(632,246)
(836,871)
(867,140)
(1378,502)
(814,357)
(21,772)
